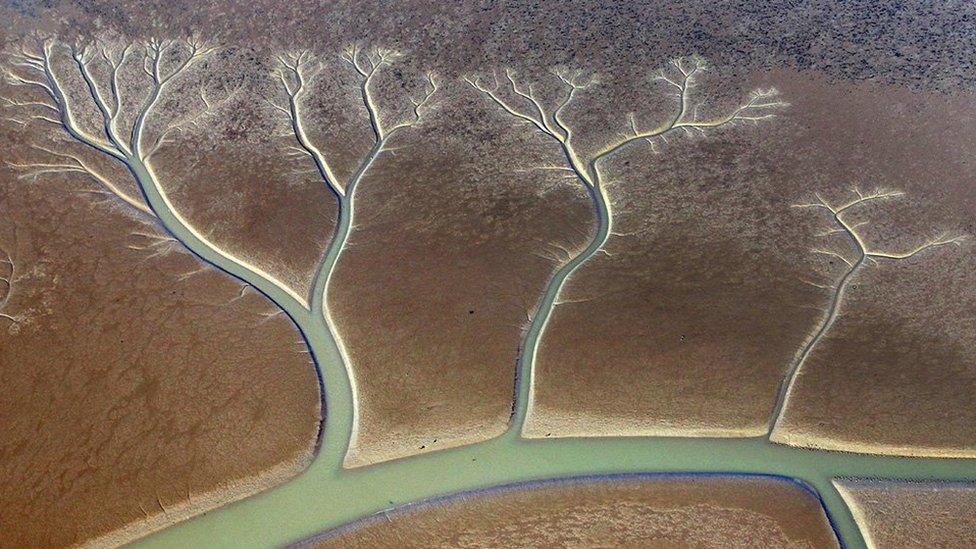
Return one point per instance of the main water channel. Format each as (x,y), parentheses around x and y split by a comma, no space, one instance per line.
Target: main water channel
(327,495)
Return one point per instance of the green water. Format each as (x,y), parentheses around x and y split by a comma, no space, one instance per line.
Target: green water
(327,495)
(322,498)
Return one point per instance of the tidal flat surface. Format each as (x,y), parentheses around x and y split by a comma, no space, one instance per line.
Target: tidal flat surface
(626,511)
(913,514)
(140,385)
(502,242)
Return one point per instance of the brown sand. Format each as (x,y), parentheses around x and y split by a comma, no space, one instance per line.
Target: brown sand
(446,258)
(140,386)
(913,515)
(689,322)
(895,375)
(441,264)
(632,512)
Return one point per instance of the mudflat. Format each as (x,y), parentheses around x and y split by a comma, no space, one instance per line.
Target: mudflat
(913,514)
(141,386)
(646,512)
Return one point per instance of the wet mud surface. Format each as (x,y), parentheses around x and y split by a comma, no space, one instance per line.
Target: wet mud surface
(711,293)
(649,512)
(909,514)
(140,385)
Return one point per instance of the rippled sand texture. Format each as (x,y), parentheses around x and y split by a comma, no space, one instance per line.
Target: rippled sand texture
(712,283)
(714,280)
(894,373)
(234,175)
(140,386)
(623,512)
(913,515)
(700,304)
(697,308)
(442,263)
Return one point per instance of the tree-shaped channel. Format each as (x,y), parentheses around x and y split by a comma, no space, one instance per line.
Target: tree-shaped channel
(860,256)
(521,101)
(295,74)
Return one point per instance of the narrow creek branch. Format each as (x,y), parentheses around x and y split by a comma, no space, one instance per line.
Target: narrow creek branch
(524,104)
(295,73)
(34,71)
(864,256)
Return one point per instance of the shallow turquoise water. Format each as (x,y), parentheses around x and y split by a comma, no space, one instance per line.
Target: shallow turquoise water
(326,495)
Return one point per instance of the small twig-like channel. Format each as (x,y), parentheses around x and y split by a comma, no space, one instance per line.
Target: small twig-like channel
(864,256)
(328,494)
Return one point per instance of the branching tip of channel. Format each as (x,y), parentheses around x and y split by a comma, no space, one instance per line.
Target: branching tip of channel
(367,61)
(574,78)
